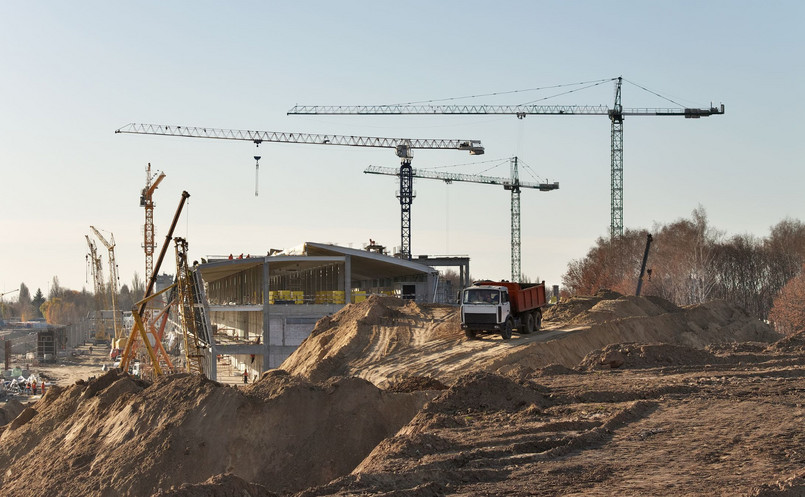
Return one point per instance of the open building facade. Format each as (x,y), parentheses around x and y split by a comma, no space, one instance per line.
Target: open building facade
(261,308)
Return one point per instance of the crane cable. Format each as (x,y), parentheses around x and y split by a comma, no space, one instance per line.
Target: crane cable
(594,83)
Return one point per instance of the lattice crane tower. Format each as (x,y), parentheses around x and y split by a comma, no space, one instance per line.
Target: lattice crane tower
(615,114)
(404,148)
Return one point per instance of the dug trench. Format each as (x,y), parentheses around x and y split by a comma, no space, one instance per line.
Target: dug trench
(617,394)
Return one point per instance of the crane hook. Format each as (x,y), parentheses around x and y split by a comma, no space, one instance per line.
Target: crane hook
(256,171)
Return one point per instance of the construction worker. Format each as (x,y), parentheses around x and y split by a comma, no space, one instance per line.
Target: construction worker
(245,377)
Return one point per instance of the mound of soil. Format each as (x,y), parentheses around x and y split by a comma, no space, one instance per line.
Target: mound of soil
(486,391)
(791,343)
(118,436)
(415,383)
(605,306)
(218,486)
(364,334)
(9,411)
(633,355)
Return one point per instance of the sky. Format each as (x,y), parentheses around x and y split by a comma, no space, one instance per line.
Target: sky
(73,73)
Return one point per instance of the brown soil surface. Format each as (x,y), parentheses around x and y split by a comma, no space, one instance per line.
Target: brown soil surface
(616,395)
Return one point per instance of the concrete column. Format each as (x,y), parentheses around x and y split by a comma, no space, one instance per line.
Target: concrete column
(347,279)
(265,342)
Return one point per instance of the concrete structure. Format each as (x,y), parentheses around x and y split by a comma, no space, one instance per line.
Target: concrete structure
(262,308)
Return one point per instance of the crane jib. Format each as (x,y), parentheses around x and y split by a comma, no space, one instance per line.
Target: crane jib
(474,147)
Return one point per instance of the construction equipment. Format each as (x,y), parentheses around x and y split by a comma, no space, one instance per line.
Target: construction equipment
(147,333)
(403,146)
(502,306)
(146,201)
(616,115)
(94,261)
(117,316)
(190,309)
(513,184)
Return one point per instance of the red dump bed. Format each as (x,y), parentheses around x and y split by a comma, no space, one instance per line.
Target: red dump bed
(524,296)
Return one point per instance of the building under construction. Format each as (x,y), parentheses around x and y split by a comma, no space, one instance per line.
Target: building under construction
(260,309)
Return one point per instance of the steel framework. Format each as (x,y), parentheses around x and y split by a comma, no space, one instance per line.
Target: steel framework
(403,147)
(513,184)
(616,115)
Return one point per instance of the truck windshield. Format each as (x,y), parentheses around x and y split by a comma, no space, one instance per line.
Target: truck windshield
(481,296)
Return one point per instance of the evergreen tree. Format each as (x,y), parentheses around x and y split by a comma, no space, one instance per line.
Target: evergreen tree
(37,302)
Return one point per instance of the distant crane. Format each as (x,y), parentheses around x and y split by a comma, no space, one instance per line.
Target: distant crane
(147,201)
(404,148)
(113,282)
(513,184)
(615,114)
(100,295)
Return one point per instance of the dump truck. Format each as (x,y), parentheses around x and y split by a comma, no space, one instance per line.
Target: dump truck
(502,306)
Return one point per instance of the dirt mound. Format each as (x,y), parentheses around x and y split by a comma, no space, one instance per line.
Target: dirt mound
(218,486)
(118,436)
(623,307)
(486,391)
(415,383)
(9,411)
(385,340)
(791,487)
(379,328)
(791,343)
(634,355)
(554,370)
(605,306)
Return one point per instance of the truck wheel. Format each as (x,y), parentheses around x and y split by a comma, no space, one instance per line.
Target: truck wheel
(537,319)
(506,331)
(470,334)
(529,324)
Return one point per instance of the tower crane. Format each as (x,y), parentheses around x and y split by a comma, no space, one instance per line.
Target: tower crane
(146,201)
(404,148)
(512,184)
(100,300)
(616,115)
(113,282)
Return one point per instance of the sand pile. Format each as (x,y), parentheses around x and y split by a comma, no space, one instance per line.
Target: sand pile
(363,334)
(117,436)
(634,355)
(791,343)
(9,411)
(218,486)
(385,340)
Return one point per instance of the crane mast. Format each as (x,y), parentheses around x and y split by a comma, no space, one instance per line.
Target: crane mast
(113,281)
(615,114)
(100,299)
(147,202)
(513,184)
(187,303)
(403,147)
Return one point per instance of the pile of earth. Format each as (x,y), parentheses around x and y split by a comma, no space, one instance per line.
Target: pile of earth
(693,429)
(646,355)
(385,340)
(120,436)
(10,410)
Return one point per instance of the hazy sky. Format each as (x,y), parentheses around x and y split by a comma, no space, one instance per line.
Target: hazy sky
(73,72)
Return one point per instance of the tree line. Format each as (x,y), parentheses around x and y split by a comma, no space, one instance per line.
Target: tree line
(66,306)
(691,262)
